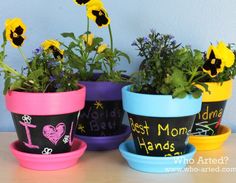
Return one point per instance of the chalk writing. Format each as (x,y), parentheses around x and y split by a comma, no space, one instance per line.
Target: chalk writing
(27,124)
(207,115)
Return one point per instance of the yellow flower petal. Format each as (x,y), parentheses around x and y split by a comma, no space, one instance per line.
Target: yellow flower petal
(226,54)
(48,43)
(88,38)
(53,47)
(215,51)
(101,48)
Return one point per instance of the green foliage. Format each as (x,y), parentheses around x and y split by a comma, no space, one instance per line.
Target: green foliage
(86,59)
(43,74)
(168,68)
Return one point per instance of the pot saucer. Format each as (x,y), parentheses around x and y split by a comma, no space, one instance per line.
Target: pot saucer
(52,161)
(154,164)
(104,143)
(207,143)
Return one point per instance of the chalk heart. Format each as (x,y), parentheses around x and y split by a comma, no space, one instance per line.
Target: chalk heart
(54,134)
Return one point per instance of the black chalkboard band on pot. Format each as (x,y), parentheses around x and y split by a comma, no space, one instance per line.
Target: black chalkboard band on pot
(45,122)
(160,124)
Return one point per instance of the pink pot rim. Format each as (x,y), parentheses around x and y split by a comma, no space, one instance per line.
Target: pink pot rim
(41,104)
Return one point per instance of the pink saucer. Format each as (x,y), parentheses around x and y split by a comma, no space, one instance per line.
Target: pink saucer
(49,162)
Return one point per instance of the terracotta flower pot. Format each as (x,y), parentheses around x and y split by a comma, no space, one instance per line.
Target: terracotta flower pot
(103,112)
(45,122)
(160,124)
(209,119)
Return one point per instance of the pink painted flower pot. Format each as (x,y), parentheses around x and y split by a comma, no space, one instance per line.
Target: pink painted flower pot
(45,122)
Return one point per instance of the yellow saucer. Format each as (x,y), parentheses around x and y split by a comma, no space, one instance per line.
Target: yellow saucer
(207,143)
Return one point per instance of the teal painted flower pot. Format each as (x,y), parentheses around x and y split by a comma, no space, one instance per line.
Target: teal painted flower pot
(160,124)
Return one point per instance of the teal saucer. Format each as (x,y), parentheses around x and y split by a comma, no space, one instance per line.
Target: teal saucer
(154,164)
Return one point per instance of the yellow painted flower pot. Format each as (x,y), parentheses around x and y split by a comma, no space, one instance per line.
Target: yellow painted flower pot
(207,131)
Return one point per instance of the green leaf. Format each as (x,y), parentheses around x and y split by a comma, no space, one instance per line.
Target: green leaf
(179,92)
(6,85)
(69,35)
(125,56)
(34,75)
(16,85)
(197,93)
(178,78)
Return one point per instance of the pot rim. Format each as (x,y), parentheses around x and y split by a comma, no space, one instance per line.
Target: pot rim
(159,105)
(41,104)
(220,91)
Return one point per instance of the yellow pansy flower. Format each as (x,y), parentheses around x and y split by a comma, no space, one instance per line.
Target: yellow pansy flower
(15,30)
(213,64)
(97,13)
(101,48)
(88,38)
(54,47)
(226,54)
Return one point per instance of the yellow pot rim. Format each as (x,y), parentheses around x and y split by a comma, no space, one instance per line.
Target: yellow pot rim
(216,139)
(218,91)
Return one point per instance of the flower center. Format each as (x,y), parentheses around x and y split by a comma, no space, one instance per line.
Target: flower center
(213,61)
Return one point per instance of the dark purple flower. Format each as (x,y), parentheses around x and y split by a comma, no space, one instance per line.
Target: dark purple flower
(145,39)
(38,51)
(62,74)
(52,78)
(52,63)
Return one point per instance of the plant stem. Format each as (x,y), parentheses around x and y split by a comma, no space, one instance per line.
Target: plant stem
(111,38)
(87,28)
(24,57)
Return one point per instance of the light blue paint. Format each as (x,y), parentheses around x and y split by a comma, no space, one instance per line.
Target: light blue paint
(192,22)
(154,164)
(159,105)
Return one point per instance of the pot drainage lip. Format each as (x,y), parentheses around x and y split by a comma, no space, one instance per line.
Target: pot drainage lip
(154,164)
(103,143)
(52,161)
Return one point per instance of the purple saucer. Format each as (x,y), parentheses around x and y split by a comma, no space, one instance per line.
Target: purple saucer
(107,142)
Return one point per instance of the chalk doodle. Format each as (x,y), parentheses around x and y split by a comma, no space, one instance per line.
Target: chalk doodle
(26,119)
(66,139)
(203,128)
(47,151)
(98,104)
(54,134)
(81,128)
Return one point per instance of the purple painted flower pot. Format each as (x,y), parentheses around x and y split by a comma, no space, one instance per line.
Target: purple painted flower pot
(103,112)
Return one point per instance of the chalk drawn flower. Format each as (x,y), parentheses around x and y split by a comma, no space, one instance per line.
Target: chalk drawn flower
(47,151)
(26,119)
(98,105)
